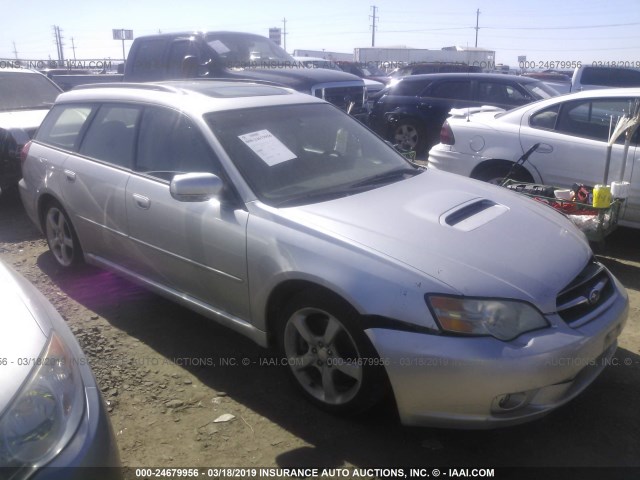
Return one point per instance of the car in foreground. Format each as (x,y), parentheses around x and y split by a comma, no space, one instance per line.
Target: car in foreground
(25,98)
(52,416)
(285,219)
(410,112)
(573,131)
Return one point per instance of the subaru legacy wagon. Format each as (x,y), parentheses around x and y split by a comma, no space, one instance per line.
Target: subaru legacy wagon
(281,217)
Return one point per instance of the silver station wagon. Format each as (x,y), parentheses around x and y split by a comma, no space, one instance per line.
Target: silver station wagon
(285,219)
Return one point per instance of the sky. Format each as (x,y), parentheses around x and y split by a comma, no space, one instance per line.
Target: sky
(542,30)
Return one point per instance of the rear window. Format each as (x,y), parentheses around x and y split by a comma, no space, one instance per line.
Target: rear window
(610,77)
(62,126)
(26,91)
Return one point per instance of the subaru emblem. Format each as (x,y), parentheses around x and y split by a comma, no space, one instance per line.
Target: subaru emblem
(594,296)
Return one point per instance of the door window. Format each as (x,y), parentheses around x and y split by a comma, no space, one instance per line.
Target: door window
(110,136)
(500,93)
(594,119)
(169,143)
(457,90)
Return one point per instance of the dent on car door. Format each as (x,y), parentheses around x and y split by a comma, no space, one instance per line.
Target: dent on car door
(194,248)
(94,181)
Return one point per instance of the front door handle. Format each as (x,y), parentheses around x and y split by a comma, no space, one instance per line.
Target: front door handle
(142,201)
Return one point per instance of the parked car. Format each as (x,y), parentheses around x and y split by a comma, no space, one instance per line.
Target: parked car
(590,77)
(411,112)
(369,71)
(52,414)
(420,68)
(372,86)
(573,131)
(282,217)
(25,98)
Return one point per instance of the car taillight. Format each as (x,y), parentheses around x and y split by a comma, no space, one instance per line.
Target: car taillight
(446,134)
(24,152)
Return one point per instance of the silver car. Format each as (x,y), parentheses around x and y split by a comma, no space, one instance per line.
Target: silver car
(53,422)
(283,218)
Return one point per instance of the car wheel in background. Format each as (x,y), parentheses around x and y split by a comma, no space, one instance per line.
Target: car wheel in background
(408,135)
(330,358)
(61,237)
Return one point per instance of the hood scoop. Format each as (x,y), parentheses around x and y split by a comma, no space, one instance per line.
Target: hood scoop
(472,214)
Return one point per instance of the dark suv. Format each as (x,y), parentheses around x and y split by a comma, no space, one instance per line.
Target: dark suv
(411,111)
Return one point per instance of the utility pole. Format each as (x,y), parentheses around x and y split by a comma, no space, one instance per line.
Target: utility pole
(15,51)
(373,25)
(73,47)
(59,45)
(477,28)
(284,33)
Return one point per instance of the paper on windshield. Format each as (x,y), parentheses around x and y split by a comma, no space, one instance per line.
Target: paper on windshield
(268,147)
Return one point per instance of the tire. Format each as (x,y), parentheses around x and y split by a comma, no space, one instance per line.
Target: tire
(409,135)
(331,360)
(495,174)
(61,237)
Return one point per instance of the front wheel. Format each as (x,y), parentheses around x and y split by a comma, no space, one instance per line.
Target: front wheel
(330,358)
(61,237)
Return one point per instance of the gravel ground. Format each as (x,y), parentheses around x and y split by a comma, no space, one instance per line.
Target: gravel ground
(185,392)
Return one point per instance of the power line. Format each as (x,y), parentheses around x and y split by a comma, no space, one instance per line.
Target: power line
(373,26)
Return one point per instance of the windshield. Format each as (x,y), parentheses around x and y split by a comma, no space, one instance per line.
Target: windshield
(26,91)
(244,50)
(541,90)
(299,154)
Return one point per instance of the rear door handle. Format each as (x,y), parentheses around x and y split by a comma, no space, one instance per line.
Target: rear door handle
(71,175)
(142,201)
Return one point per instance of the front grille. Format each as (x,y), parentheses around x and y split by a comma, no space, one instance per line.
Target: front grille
(585,294)
(342,96)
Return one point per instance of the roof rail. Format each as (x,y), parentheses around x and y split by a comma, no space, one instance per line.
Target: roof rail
(174,86)
(141,86)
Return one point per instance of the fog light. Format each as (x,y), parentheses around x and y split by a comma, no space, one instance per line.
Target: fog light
(510,401)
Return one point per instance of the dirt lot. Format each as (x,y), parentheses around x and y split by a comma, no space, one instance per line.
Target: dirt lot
(169,374)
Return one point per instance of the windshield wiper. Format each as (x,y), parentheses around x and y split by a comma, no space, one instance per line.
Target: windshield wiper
(314,197)
(387,177)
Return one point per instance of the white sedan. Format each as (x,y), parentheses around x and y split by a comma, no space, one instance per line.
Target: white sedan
(573,132)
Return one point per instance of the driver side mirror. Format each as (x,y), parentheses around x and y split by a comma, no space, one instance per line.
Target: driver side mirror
(195,187)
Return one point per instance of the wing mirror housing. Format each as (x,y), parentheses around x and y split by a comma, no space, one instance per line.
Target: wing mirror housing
(195,187)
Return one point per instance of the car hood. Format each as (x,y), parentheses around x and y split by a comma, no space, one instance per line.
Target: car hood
(299,78)
(24,119)
(479,239)
(21,338)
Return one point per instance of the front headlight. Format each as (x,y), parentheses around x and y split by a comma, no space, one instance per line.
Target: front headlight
(503,319)
(46,412)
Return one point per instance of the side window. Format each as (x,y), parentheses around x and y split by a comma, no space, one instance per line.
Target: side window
(457,90)
(177,52)
(591,119)
(148,57)
(545,118)
(62,126)
(169,143)
(111,135)
(492,92)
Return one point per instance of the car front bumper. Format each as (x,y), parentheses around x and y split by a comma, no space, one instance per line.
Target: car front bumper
(482,382)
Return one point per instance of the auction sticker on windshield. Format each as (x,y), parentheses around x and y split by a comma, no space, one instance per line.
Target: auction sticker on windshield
(271,150)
